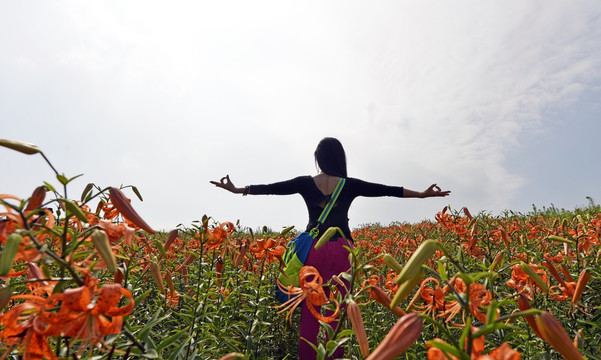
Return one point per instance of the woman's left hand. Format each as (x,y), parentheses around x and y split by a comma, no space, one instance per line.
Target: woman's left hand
(434,190)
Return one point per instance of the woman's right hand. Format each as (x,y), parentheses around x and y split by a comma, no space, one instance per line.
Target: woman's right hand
(226,183)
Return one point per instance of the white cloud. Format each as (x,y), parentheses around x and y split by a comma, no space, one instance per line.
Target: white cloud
(183,93)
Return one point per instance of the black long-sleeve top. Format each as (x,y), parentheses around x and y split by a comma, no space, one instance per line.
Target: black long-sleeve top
(316,200)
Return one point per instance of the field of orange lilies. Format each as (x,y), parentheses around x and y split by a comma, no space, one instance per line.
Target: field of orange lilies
(88,278)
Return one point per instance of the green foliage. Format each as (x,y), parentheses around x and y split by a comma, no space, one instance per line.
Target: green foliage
(218,279)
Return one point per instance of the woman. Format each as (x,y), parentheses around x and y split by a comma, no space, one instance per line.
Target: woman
(331,259)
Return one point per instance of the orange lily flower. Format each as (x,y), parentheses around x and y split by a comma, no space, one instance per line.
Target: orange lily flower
(478,297)
(374,280)
(310,289)
(218,234)
(41,287)
(503,352)
(523,283)
(434,298)
(11,220)
(391,285)
(566,288)
(22,329)
(269,248)
(116,231)
(172,299)
(85,312)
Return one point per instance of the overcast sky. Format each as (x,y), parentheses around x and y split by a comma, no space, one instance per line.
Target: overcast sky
(497,101)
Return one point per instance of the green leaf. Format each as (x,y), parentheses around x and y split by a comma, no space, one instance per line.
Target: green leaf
(135,189)
(62,179)
(519,313)
(86,190)
(466,331)
(490,328)
(75,177)
(332,345)
(145,331)
(466,278)
(50,187)
(328,327)
(171,339)
(479,275)
(161,248)
(491,312)
(138,300)
(442,270)
(346,332)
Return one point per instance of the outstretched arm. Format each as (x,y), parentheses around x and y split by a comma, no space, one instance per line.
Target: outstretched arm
(433,190)
(226,183)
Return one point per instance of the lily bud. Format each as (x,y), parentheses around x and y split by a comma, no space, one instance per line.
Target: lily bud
(354,315)
(35,273)
(524,305)
(20,146)
(219,270)
(37,198)
(171,238)
(122,204)
(187,262)
(169,280)
(467,213)
(326,236)
(583,279)
(102,245)
(559,239)
(578,341)
(555,273)
(185,276)
(392,263)
(566,272)
(556,336)
(7,257)
(286,230)
(534,276)
(413,266)
(156,274)
(497,260)
(233,356)
(406,288)
(118,277)
(402,335)
(381,297)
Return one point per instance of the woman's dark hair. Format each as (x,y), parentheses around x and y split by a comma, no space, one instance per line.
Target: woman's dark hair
(330,157)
